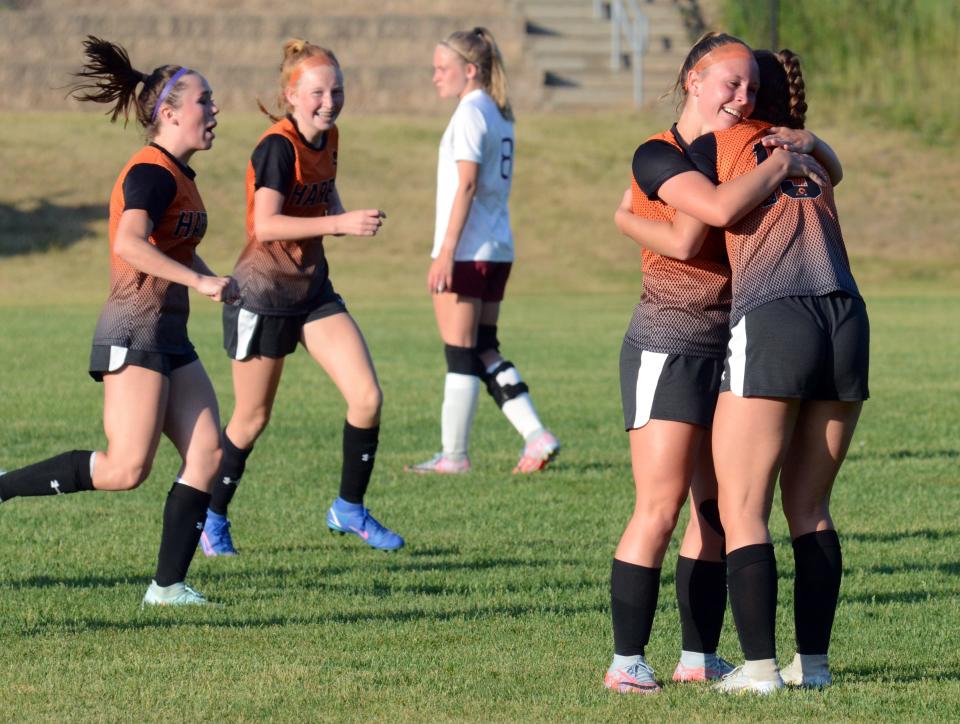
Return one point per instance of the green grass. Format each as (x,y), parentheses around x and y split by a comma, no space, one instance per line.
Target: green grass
(498,608)
(879,59)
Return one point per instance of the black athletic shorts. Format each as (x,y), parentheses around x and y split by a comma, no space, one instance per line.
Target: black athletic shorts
(105,359)
(248,334)
(809,348)
(660,386)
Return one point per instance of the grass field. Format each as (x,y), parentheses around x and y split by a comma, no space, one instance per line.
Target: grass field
(498,607)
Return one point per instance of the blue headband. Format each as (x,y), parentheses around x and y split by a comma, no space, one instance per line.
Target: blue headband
(168,86)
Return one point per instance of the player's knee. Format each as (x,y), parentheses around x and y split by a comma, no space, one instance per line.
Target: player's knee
(803,514)
(462,360)
(253,423)
(365,403)
(487,338)
(659,515)
(504,383)
(130,474)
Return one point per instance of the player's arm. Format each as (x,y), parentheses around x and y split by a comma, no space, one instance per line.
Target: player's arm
(132,244)
(680,238)
(440,276)
(695,194)
(803,141)
(271,224)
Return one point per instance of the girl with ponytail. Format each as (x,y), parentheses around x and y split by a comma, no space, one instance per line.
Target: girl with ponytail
(473,253)
(287,296)
(153,381)
(795,375)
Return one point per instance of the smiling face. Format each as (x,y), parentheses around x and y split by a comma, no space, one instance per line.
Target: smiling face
(193,121)
(452,77)
(316,100)
(724,93)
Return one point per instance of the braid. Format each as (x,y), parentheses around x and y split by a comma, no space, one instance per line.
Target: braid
(798,93)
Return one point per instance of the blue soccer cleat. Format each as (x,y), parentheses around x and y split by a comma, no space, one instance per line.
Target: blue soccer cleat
(215,539)
(346,518)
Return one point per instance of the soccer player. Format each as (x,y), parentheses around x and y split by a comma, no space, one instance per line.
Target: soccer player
(795,379)
(473,253)
(287,296)
(153,381)
(670,368)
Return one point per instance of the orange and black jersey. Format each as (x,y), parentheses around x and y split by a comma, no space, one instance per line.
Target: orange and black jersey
(790,245)
(142,311)
(286,278)
(685,304)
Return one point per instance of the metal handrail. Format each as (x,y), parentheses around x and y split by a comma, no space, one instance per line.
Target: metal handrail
(627,22)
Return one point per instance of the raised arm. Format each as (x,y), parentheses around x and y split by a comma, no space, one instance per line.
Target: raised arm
(695,194)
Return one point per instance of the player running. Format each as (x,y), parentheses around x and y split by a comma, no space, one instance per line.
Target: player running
(287,296)
(153,381)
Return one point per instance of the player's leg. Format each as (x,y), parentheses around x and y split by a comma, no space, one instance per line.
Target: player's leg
(255,383)
(134,398)
(820,441)
(193,425)
(510,392)
(457,319)
(750,436)
(701,578)
(662,456)
(338,346)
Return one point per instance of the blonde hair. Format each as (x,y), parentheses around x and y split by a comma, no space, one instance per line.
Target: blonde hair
(478,47)
(295,51)
(707,42)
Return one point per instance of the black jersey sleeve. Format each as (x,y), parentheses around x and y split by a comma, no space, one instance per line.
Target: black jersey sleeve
(149,187)
(274,163)
(655,162)
(703,154)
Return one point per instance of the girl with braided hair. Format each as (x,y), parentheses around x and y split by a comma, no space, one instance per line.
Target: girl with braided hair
(287,296)
(153,381)
(794,381)
(473,253)
(670,366)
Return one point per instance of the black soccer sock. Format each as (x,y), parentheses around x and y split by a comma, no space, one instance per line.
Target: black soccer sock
(633,602)
(816,588)
(231,470)
(752,579)
(359,451)
(183,518)
(702,599)
(68,472)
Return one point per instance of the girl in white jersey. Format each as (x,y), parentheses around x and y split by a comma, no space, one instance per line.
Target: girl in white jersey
(473,253)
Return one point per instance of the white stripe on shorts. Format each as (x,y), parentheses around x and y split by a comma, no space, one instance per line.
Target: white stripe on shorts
(651,365)
(118,357)
(738,356)
(246,326)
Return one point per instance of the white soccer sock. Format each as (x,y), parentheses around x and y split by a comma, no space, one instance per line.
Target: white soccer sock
(761,669)
(460,394)
(520,410)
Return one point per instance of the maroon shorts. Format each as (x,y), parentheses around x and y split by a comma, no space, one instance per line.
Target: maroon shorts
(484,280)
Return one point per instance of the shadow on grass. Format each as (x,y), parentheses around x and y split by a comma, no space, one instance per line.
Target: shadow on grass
(906,455)
(47,226)
(947,569)
(875,674)
(896,536)
(881,599)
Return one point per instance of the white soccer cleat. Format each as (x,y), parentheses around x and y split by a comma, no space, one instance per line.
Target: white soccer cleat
(807,672)
(441,463)
(176,594)
(739,682)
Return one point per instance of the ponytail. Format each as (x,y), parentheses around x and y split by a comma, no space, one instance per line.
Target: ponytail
(781,99)
(108,77)
(478,47)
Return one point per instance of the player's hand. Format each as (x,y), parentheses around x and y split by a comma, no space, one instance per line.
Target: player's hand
(790,139)
(802,165)
(231,293)
(213,287)
(363,222)
(440,276)
(626,203)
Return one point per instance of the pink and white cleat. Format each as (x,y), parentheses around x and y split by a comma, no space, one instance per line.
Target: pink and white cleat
(710,667)
(441,463)
(634,678)
(540,450)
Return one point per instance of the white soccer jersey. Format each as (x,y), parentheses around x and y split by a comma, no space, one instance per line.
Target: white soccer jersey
(477,132)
